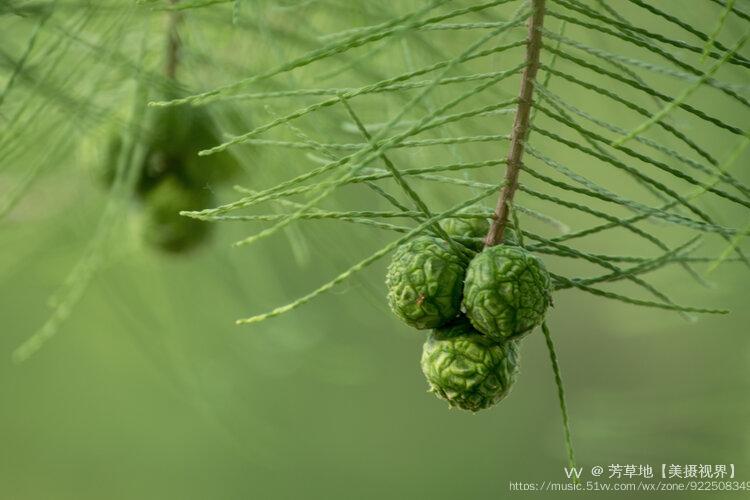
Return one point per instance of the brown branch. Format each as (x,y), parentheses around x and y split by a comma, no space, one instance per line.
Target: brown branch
(173,42)
(520,127)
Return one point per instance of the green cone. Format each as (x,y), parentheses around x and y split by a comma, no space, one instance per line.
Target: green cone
(173,137)
(471,232)
(425,282)
(164,227)
(468,369)
(507,292)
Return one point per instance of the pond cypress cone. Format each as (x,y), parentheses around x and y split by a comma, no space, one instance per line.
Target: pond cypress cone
(173,137)
(425,282)
(468,369)
(164,227)
(181,132)
(471,231)
(507,292)
(467,228)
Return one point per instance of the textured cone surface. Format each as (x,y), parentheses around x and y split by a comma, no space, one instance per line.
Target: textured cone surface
(425,282)
(507,292)
(472,232)
(164,227)
(466,228)
(468,369)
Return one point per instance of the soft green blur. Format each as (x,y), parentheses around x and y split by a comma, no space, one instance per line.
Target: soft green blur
(149,390)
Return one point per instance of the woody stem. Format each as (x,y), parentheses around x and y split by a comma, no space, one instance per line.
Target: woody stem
(520,126)
(173,42)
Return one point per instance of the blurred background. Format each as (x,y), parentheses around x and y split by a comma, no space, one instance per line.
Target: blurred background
(149,390)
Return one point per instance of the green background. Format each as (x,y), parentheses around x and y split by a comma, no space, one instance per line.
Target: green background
(149,390)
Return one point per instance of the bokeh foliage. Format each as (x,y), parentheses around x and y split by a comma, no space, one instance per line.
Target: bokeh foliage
(187,405)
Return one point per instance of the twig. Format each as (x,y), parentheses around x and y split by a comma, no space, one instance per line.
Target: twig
(173,41)
(520,126)
(561,398)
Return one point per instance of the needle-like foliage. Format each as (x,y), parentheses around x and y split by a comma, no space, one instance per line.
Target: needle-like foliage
(396,117)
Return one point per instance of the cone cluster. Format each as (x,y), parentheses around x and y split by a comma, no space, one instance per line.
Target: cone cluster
(172,177)
(478,309)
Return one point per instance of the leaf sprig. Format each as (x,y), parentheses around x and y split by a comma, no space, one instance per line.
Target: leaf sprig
(608,136)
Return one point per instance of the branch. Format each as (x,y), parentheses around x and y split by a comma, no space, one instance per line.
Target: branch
(520,126)
(173,42)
